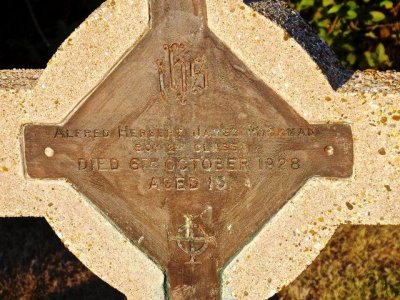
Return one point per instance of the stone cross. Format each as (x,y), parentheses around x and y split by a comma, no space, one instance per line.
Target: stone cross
(190,133)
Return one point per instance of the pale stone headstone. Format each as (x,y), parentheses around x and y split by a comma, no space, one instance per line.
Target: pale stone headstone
(236,93)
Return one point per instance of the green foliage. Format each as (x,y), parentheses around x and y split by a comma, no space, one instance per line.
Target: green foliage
(363,33)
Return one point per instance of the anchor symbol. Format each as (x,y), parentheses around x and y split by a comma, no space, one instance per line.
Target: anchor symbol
(188,242)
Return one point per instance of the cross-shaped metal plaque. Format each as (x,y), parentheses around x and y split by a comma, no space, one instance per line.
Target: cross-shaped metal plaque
(185,150)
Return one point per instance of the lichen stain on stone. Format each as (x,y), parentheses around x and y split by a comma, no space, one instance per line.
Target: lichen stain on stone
(388,188)
(313,232)
(286,36)
(5,169)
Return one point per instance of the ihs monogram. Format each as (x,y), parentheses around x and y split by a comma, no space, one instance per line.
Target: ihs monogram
(186,76)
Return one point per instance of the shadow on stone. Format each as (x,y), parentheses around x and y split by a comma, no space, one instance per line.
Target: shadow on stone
(34,264)
(280,13)
(359,262)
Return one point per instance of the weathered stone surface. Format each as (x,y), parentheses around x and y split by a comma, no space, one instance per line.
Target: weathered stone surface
(18,79)
(286,244)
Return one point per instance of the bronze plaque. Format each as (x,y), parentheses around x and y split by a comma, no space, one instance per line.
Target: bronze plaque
(185,150)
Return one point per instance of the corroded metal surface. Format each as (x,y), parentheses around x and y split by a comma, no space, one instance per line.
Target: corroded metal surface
(185,150)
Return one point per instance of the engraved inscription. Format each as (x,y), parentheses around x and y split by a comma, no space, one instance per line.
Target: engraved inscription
(279,163)
(197,132)
(188,159)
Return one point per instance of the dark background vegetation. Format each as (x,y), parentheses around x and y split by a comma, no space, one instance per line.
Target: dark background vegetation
(360,262)
(363,33)
(32,30)
(34,264)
